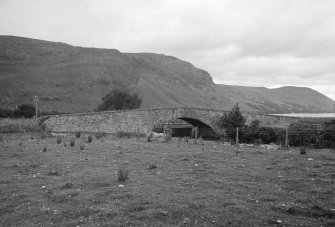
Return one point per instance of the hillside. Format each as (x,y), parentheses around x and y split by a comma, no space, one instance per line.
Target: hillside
(73,79)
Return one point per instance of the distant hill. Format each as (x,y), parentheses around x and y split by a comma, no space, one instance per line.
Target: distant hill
(73,79)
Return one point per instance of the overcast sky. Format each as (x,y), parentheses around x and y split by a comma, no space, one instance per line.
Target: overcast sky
(251,43)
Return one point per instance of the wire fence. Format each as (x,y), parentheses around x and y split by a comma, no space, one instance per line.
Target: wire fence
(293,137)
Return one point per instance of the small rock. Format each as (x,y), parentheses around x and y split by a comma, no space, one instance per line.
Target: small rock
(310,159)
(44,186)
(186,220)
(121,185)
(152,166)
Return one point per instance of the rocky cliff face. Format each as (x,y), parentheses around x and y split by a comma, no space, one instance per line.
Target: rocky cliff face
(73,79)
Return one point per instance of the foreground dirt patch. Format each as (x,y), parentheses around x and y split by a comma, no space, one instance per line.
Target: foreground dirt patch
(173,183)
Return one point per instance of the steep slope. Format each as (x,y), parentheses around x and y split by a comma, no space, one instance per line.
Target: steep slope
(279,100)
(68,78)
(73,79)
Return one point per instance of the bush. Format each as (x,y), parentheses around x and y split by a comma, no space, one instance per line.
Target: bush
(267,135)
(82,146)
(59,140)
(122,174)
(89,139)
(44,149)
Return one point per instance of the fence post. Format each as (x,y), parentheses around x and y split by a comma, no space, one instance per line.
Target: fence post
(196,135)
(286,137)
(20,128)
(237,142)
(138,133)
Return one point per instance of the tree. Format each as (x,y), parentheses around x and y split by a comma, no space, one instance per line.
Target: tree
(25,110)
(251,133)
(119,100)
(231,120)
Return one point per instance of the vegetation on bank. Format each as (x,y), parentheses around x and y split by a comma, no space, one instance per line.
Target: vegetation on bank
(25,111)
(298,134)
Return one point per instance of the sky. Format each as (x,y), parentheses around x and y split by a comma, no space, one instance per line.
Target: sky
(263,43)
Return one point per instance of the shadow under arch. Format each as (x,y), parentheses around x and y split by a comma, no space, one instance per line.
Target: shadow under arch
(195,123)
(204,131)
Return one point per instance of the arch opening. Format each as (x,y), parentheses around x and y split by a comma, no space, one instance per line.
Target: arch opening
(186,127)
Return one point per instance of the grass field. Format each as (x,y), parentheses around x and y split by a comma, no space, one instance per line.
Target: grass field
(204,184)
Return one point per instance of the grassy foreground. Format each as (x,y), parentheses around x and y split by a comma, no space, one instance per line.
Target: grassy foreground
(205,184)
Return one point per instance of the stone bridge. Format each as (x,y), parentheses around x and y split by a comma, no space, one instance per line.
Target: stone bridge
(144,120)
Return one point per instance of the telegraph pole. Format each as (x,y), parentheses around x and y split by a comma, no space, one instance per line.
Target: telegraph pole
(36,106)
(237,141)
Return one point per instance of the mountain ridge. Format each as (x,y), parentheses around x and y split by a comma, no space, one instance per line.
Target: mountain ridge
(73,79)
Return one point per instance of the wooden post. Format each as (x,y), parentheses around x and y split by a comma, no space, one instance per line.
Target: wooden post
(36,107)
(286,137)
(196,135)
(20,127)
(138,133)
(237,142)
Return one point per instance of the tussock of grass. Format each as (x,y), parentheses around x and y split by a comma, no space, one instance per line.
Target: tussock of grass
(122,173)
(67,186)
(82,146)
(72,142)
(53,172)
(153,166)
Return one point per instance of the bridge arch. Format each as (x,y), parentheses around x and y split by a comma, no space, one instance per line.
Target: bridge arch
(203,121)
(196,117)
